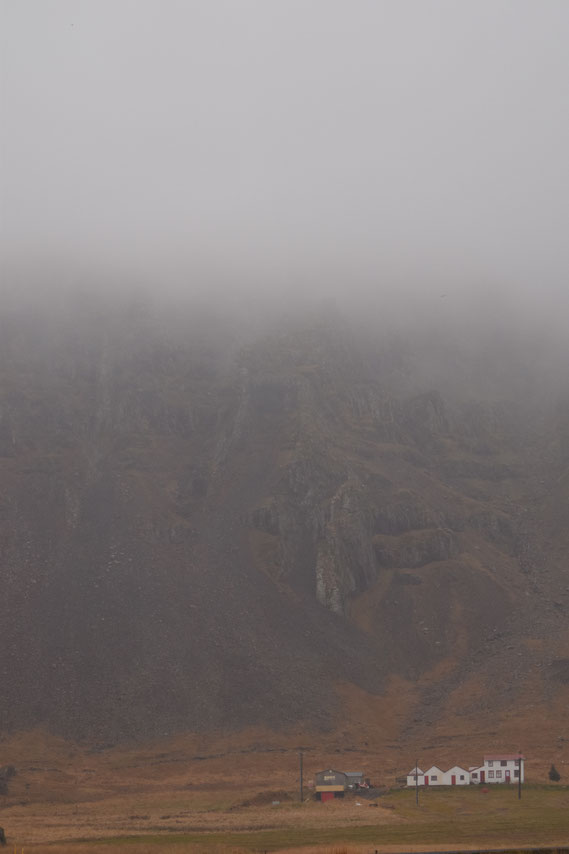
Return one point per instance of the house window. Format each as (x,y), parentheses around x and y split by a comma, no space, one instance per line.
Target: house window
(490,763)
(462,776)
(434,778)
(516,773)
(490,773)
(475,775)
(498,773)
(503,763)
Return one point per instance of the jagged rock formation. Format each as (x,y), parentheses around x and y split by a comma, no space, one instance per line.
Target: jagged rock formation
(202,531)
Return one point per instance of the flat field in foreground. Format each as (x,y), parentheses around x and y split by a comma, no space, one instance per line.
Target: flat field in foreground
(445,818)
(218,797)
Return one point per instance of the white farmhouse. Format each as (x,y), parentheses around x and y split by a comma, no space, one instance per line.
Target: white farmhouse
(434,776)
(503,768)
(456,776)
(497,768)
(412,777)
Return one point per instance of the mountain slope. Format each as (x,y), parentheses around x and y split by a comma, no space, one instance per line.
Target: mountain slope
(201,527)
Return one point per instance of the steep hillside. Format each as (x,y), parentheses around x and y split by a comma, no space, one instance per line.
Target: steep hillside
(202,527)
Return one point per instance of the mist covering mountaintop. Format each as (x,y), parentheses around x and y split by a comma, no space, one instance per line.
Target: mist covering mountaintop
(211,520)
(283,344)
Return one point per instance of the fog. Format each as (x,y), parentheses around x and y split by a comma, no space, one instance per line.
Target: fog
(373,151)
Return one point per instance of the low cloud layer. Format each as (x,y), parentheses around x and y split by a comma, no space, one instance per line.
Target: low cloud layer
(399,146)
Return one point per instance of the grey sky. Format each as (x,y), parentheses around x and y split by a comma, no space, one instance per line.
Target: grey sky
(385,144)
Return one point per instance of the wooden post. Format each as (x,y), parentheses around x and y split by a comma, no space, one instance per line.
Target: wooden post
(417,782)
(519,778)
(300,764)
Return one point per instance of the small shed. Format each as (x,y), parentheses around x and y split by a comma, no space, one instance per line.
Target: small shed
(354,779)
(330,784)
(415,777)
(477,774)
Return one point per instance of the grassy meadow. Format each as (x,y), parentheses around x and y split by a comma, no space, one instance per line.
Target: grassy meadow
(445,818)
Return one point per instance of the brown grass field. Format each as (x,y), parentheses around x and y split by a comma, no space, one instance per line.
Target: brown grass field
(216,794)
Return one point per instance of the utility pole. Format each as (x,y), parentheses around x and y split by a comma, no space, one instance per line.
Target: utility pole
(519,776)
(417,782)
(300,757)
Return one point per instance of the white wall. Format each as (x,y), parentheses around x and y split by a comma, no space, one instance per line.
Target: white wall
(444,778)
(458,772)
(511,766)
(435,772)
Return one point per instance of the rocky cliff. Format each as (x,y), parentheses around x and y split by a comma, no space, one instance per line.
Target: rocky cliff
(207,527)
